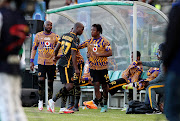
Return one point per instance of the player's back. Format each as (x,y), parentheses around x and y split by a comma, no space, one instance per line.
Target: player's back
(68,42)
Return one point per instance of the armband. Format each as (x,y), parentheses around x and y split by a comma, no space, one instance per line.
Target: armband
(31,60)
(86,79)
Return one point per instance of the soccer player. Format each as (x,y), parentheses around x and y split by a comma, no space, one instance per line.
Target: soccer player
(75,93)
(98,50)
(131,74)
(67,63)
(77,79)
(45,41)
(13,31)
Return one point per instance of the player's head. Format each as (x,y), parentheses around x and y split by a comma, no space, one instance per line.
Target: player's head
(48,26)
(138,56)
(78,28)
(159,51)
(96,30)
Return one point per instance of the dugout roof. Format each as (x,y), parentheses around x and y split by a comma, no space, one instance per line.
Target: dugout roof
(125,24)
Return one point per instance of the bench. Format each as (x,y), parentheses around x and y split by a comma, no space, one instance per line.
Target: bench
(116,101)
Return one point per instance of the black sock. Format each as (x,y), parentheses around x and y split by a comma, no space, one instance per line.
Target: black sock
(71,93)
(62,91)
(77,95)
(63,101)
(96,101)
(105,101)
(41,89)
(100,101)
(50,90)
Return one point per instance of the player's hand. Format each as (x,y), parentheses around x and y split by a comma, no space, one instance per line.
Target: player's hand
(147,83)
(77,72)
(139,62)
(82,79)
(90,82)
(55,58)
(32,66)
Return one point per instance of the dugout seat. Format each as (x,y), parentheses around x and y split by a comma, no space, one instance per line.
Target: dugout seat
(110,73)
(144,75)
(115,75)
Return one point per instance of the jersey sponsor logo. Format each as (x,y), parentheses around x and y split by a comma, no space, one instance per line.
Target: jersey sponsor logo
(47,44)
(47,38)
(94,49)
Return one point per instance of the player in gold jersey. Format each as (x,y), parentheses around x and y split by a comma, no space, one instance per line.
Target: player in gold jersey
(98,50)
(45,42)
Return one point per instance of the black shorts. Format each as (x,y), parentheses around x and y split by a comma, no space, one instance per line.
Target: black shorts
(66,74)
(75,78)
(49,69)
(100,76)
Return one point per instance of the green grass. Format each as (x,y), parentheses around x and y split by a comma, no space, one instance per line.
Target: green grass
(89,115)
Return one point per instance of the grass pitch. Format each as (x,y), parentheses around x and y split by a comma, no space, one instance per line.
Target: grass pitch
(34,114)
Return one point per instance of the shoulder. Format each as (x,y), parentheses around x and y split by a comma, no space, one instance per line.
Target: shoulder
(54,34)
(40,33)
(105,40)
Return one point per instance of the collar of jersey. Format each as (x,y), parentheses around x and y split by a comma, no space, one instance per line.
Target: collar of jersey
(72,33)
(97,39)
(47,34)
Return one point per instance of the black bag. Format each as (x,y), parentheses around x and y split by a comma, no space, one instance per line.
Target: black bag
(137,107)
(135,103)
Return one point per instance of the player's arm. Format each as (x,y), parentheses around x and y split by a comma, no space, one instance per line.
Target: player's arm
(74,57)
(74,60)
(137,75)
(33,51)
(56,50)
(57,39)
(83,45)
(105,54)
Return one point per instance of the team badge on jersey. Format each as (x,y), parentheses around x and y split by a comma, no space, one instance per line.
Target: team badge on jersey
(94,49)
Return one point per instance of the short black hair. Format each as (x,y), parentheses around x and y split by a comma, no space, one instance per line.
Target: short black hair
(98,27)
(138,54)
(161,46)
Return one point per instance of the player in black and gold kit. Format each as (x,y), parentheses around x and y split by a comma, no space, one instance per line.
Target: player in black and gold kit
(98,50)
(67,62)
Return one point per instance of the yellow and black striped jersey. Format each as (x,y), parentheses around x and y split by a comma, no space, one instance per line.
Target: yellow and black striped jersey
(98,46)
(79,57)
(133,72)
(68,41)
(46,44)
